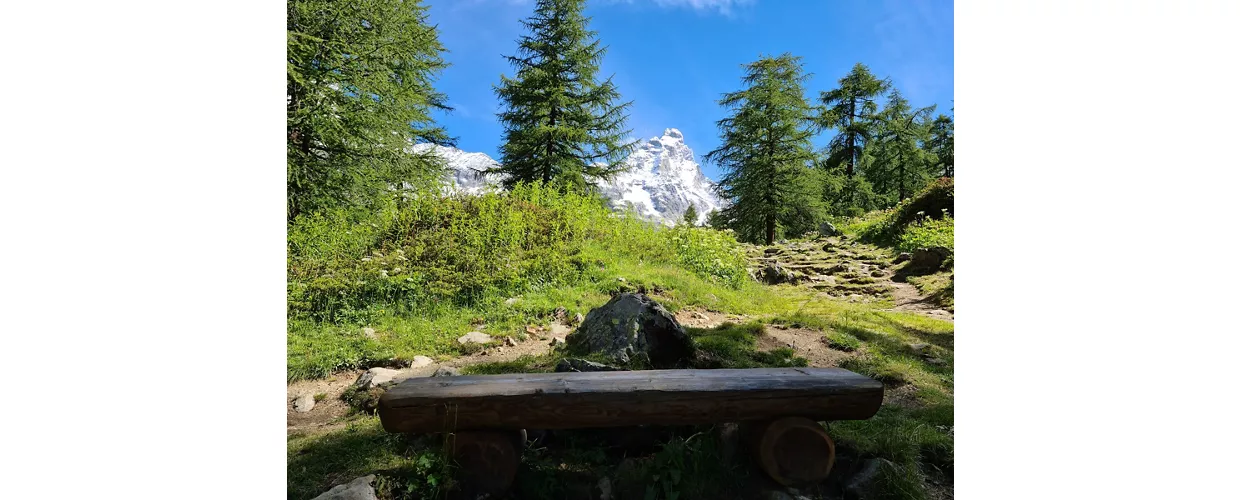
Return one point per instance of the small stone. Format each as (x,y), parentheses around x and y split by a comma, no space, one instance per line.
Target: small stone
(919,347)
(621,279)
(936,361)
(446,371)
(508,341)
(368,332)
(578,318)
(377,376)
(559,330)
(420,361)
(357,489)
(877,274)
(511,301)
(474,337)
(904,256)
(556,341)
(304,402)
(560,313)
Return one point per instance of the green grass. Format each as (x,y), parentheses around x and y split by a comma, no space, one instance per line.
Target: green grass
(428,270)
(424,273)
(939,287)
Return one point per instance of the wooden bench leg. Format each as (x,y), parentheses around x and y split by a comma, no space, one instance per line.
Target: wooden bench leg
(794,451)
(486,461)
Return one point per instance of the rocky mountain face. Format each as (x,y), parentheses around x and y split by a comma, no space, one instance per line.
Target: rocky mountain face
(661,182)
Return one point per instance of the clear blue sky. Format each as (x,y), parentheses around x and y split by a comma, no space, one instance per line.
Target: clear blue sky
(673,58)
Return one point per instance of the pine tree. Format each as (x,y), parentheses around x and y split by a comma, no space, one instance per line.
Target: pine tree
(561,125)
(900,165)
(360,91)
(691,215)
(766,152)
(850,110)
(941,144)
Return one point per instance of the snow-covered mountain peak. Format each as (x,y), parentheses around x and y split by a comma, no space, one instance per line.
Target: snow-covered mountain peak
(662,180)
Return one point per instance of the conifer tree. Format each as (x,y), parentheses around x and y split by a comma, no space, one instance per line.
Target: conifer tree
(850,110)
(690,216)
(561,125)
(360,91)
(766,152)
(900,165)
(941,144)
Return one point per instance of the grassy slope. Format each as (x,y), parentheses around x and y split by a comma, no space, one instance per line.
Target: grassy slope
(680,269)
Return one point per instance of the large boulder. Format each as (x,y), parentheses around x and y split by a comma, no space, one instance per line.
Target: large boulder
(630,325)
(357,489)
(774,274)
(828,229)
(929,258)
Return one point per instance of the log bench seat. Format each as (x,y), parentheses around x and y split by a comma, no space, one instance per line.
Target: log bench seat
(484,413)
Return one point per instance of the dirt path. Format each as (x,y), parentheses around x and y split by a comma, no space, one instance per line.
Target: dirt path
(329,410)
(844,270)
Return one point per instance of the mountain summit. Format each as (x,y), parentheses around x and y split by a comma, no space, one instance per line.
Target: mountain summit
(661,182)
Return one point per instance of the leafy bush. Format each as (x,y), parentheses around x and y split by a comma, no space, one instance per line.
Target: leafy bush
(928,233)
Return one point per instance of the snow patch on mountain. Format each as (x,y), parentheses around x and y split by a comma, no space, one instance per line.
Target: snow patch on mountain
(661,181)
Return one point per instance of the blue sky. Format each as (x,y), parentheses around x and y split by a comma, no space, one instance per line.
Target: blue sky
(673,58)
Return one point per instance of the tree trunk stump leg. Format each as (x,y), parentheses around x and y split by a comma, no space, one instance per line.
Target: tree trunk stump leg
(486,461)
(794,451)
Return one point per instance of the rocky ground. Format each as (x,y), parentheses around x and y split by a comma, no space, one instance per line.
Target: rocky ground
(835,269)
(840,268)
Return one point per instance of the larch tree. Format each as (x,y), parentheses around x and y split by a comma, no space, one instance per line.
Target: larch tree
(360,92)
(901,165)
(941,144)
(561,125)
(765,153)
(850,110)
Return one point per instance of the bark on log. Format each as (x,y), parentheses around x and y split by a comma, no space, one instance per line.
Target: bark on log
(612,399)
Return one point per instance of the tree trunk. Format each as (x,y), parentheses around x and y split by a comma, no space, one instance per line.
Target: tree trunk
(770,229)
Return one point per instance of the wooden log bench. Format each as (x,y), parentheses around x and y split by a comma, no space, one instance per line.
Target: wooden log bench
(485,415)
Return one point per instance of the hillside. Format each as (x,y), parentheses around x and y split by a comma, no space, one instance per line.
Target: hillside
(397,289)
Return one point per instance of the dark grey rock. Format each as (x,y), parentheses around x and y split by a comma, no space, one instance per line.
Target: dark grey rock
(631,324)
(446,371)
(929,258)
(903,257)
(827,229)
(357,489)
(864,485)
(774,274)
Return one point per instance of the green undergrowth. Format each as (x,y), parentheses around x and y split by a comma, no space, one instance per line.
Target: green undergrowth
(424,270)
(914,435)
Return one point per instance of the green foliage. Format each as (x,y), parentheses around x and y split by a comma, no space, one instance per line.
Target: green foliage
(900,167)
(690,216)
(926,233)
(360,90)
(422,270)
(714,255)
(687,468)
(766,152)
(942,145)
(923,214)
(561,125)
(851,110)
